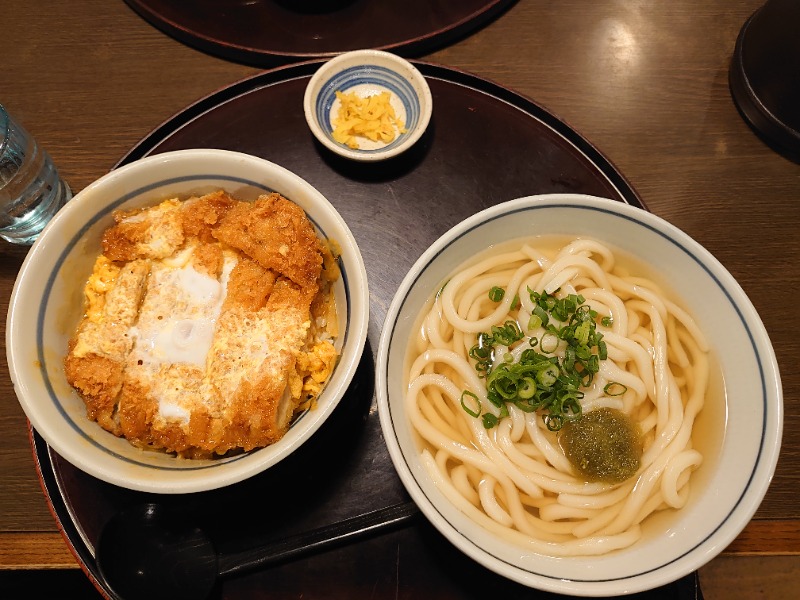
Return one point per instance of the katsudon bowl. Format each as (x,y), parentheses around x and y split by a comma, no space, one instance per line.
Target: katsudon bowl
(47,303)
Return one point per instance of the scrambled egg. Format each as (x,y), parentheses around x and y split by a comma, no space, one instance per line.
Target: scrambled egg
(202,330)
(102,279)
(312,372)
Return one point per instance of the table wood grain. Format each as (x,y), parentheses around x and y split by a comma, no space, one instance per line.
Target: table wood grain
(646,82)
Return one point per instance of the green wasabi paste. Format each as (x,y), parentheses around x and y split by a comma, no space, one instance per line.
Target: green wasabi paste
(604,445)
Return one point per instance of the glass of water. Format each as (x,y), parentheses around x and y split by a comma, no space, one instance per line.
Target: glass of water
(31,191)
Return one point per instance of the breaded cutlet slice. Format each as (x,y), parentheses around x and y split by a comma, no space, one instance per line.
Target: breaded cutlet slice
(166,367)
(276,233)
(240,397)
(250,362)
(155,232)
(98,352)
(202,214)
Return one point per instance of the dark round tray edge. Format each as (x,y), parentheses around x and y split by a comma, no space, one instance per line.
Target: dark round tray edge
(268,58)
(56,505)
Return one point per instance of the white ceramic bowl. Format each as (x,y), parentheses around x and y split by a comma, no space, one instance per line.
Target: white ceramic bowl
(47,303)
(730,484)
(368,72)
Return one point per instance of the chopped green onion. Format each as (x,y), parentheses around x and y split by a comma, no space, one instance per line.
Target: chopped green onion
(615,389)
(554,422)
(489,420)
(496,294)
(527,389)
(593,366)
(539,379)
(548,376)
(507,334)
(540,312)
(472,412)
(495,399)
(549,343)
(534,322)
(607,321)
(515,302)
(582,333)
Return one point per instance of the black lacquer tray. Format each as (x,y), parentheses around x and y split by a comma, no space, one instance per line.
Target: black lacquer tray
(266,33)
(485,145)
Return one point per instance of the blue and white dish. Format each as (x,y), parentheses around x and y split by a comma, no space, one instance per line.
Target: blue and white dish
(733,479)
(368,72)
(47,303)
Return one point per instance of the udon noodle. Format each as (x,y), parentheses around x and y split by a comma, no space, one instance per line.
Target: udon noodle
(514,478)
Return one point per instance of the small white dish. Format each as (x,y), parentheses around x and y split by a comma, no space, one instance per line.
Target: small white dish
(47,303)
(368,72)
(736,472)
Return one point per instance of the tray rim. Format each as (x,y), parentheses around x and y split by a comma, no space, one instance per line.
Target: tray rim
(267,58)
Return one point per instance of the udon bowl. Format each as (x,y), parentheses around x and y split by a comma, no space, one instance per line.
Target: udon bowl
(47,304)
(740,457)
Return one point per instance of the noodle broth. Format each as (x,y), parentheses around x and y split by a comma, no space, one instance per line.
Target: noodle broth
(511,478)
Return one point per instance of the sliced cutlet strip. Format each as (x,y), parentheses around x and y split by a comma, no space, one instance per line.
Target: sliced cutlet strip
(96,360)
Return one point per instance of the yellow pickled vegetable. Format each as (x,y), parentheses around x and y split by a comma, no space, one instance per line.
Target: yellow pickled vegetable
(371,117)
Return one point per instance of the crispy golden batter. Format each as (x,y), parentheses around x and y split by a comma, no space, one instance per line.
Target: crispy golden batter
(200,337)
(249,285)
(275,233)
(99,381)
(97,353)
(208,259)
(149,233)
(202,215)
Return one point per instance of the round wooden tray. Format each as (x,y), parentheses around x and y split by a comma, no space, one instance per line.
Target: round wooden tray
(271,32)
(485,145)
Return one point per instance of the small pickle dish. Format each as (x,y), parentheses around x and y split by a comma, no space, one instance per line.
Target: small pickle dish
(368,105)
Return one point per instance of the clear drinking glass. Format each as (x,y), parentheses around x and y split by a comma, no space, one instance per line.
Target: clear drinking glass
(31,191)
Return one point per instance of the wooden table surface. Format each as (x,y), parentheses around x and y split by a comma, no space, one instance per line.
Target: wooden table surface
(646,82)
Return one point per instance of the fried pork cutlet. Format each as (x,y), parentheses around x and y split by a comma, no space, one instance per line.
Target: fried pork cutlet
(277,234)
(199,336)
(98,352)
